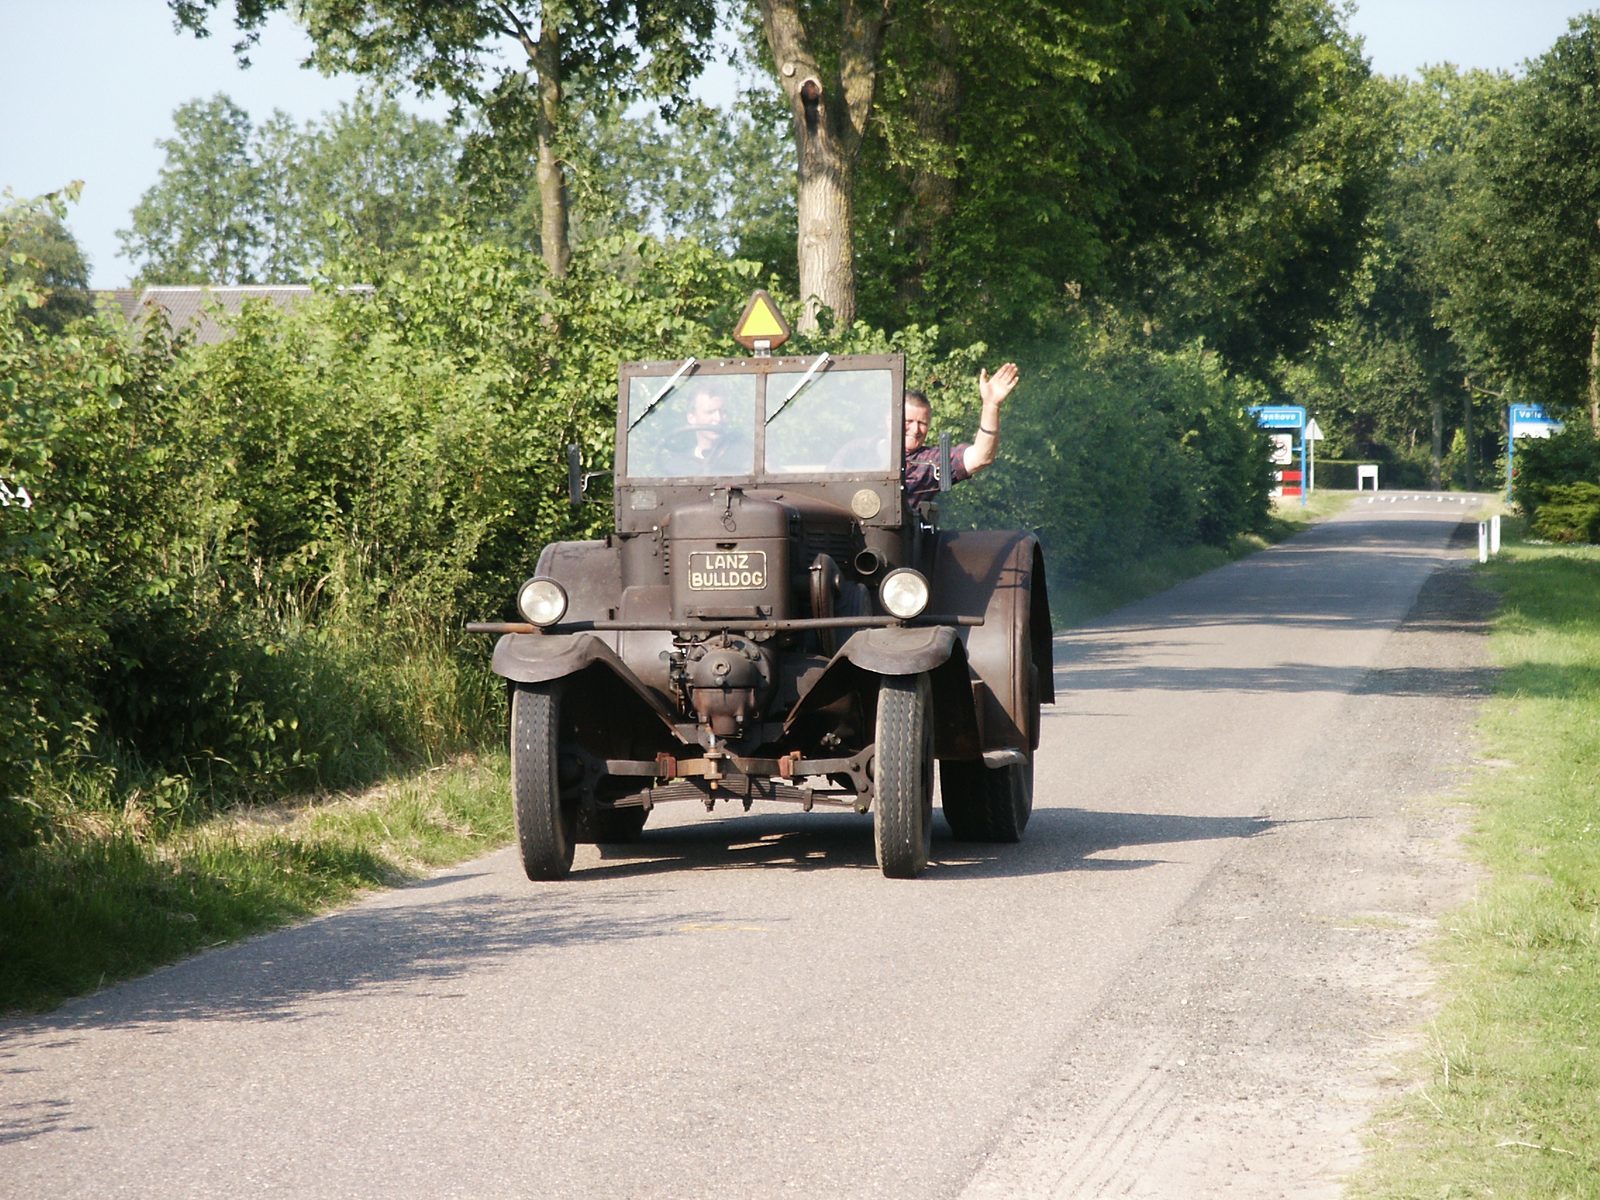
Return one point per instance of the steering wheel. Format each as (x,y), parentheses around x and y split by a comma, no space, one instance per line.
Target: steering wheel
(729,447)
(862,454)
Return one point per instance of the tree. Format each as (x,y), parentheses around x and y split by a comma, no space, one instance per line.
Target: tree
(275,203)
(203,220)
(1018,154)
(1398,373)
(1522,255)
(39,256)
(366,180)
(718,176)
(622,48)
(828,72)
(981,191)
(1282,171)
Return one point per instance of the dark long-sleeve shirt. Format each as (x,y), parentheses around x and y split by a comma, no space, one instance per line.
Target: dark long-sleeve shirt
(922,471)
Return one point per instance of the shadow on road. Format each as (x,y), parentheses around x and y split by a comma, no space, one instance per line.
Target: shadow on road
(1057,840)
(283,976)
(297,974)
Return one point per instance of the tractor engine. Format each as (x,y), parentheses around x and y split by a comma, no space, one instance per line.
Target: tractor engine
(728,559)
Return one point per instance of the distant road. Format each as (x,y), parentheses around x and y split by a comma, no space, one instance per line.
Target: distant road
(1186,981)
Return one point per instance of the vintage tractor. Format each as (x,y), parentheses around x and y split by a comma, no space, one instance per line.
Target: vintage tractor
(770,619)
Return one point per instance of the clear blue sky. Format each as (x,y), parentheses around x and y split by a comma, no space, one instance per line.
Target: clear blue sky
(87,86)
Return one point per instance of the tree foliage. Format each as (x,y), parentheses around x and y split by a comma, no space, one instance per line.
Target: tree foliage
(1208,165)
(40,257)
(1389,372)
(240,203)
(1523,253)
(1282,215)
(510,62)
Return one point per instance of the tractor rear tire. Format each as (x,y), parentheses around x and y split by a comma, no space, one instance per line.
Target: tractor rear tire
(986,804)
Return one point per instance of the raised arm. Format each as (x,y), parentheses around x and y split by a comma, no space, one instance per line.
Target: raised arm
(993,390)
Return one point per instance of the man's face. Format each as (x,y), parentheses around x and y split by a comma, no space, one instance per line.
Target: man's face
(917,417)
(706,409)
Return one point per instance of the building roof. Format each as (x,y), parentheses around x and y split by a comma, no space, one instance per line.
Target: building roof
(195,306)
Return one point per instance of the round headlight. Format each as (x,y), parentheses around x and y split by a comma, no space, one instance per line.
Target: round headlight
(904,593)
(542,601)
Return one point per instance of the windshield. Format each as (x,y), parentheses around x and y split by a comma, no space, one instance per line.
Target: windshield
(700,421)
(839,421)
(702,427)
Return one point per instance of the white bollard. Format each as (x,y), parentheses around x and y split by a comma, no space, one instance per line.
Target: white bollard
(1494,534)
(1483,541)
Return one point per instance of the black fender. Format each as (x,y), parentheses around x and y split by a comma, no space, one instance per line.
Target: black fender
(546,657)
(591,573)
(871,654)
(999,576)
(901,649)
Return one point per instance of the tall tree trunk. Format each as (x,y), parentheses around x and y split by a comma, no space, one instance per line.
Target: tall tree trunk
(935,103)
(830,118)
(1594,381)
(554,244)
(544,56)
(825,203)
(1436,447)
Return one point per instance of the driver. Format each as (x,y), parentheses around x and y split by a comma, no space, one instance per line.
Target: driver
(921,472)
(718,445)
(707,414)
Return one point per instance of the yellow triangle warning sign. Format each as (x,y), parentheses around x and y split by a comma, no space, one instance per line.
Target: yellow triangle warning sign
(762,326)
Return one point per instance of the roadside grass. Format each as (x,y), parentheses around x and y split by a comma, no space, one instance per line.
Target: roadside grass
(1073,602)
(112,895)
(1507,1097)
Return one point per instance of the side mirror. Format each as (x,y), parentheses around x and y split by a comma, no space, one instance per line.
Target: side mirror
(574,474)
(946,464)
(577,477)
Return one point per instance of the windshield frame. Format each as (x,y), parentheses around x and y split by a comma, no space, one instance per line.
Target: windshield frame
(644,498)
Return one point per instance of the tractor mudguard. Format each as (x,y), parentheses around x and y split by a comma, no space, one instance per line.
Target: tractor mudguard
(900,650)
(544,657)
(1000,577)
(870,654)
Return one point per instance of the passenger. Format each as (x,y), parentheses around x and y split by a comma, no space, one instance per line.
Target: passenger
(921,472)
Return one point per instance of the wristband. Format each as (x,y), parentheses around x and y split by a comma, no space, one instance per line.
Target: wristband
(990,432)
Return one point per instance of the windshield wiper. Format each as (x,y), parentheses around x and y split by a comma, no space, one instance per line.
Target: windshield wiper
(821,362)
(672,382)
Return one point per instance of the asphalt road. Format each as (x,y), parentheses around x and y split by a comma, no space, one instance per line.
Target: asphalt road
(1189,980)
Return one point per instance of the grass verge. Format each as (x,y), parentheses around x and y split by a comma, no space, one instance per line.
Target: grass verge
(1505,1102)
(109,896)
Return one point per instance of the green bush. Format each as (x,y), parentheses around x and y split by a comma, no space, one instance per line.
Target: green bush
(248,564)
(1570,513)
(1113,450)
(1545,465)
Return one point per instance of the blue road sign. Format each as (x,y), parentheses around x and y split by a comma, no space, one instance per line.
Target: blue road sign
(1279,416)
(1532,419)
(1285,416)
(1525,420)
